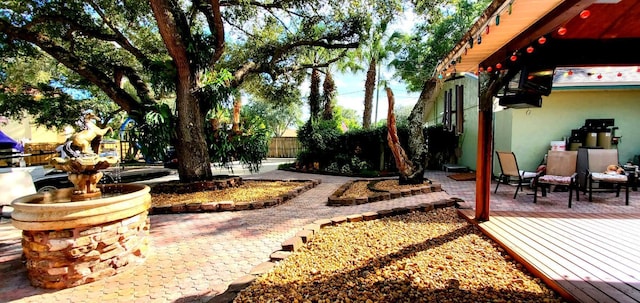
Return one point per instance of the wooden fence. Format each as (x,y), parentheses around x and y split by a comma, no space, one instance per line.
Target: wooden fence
(284,147)
(42,153)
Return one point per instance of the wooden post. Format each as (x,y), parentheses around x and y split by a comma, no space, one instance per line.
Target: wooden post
(483,176)
(488,84)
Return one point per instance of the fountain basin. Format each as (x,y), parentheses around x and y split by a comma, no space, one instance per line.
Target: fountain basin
(72,243)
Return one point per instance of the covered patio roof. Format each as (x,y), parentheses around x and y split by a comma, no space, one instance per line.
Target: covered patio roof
(576,33)
(513,34)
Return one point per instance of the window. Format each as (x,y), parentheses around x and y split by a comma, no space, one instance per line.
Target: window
(453,117)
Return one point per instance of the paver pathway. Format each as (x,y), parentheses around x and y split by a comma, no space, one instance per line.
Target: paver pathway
(193,257)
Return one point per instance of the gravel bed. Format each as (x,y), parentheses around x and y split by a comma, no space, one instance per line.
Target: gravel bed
(418,257)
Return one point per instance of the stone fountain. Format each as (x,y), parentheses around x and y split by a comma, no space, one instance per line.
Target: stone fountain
(86,233)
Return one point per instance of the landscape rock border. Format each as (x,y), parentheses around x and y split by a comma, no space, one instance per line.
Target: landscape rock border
(217,206)
(336,200)
(306,234)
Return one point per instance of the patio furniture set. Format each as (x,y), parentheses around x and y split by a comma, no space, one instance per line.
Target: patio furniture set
(586,170)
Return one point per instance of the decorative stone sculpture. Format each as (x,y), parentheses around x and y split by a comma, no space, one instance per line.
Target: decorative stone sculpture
(84,164)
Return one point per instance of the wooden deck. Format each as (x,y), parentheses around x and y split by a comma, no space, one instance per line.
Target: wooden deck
(586,257)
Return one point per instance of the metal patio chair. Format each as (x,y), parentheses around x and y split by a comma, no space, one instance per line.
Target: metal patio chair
(598,174)
(561,170)
(511,172)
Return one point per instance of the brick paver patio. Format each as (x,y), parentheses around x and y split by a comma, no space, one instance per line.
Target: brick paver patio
(194,257)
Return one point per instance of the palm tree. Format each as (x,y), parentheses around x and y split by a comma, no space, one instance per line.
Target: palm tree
(328,94)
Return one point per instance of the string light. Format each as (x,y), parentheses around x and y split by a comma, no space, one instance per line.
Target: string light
(487,30)
(570,72)
(619,74)
(562,31)
(513,58)
(585,14)
(530,49)
(542,40)
(599,76)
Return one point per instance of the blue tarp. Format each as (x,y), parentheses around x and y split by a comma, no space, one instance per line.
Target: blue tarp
(7,142)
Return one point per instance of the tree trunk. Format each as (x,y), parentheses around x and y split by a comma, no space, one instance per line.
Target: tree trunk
(192,152)
(404,165)
(314,94)
(369,86)
(329,88)
(417,142)
(237,105)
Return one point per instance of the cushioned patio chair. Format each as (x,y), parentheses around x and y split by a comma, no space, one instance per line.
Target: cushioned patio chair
(597,173)
(561,170)
(511,172)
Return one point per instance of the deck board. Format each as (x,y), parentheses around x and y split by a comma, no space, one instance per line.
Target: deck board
(589,257)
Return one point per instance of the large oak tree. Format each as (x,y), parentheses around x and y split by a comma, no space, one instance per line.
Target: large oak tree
(195,51)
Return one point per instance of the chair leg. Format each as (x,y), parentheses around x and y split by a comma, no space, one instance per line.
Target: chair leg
(535,192)
(499,180)
(570,194)
(590,189)
(618,190)
(517,188)
(626,194)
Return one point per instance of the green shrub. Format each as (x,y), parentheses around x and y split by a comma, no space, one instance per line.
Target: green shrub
(354,152)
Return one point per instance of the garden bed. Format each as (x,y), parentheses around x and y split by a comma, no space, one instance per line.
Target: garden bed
(366,191)
(230,194)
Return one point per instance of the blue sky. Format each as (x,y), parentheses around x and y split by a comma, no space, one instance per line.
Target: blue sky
(351,93)
(350,86)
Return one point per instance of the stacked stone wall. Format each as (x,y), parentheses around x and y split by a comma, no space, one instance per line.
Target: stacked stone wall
(65,258)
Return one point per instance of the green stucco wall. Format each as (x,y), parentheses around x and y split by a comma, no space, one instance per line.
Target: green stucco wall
(528,132)
(469,136)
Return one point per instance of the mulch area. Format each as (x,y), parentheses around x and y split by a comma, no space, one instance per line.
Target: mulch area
(229,194)
(366,191)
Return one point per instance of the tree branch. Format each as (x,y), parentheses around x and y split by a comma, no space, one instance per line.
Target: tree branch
(75,63)
(279,53)
(171,23)
(119,37)
(74,26)
(218,31)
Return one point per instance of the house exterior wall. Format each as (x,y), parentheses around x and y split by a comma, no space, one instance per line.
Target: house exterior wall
(469,136)
(24,129)
(528,132)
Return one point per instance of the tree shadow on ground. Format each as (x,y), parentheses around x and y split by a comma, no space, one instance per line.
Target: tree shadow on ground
(355,284)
